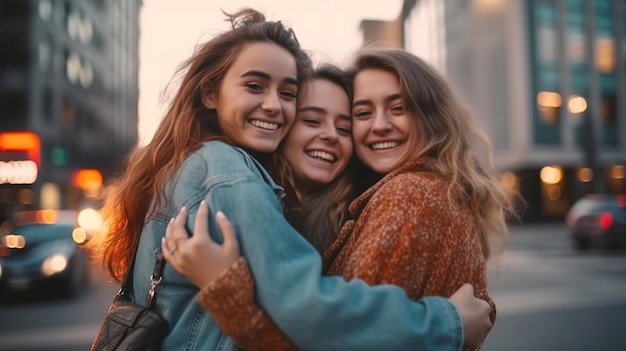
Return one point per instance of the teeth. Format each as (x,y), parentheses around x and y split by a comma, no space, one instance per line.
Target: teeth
(385,145)
(321,154)
(264,125)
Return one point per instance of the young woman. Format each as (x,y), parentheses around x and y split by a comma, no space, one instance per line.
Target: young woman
(235,104)
(425,226)
(311,163)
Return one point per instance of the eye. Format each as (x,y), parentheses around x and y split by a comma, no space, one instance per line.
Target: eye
(254,86)
(397,108)
(344,130)
(361,114)
(311,121)
(289,94)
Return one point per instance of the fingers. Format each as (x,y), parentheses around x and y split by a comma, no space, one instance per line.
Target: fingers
(168,244)
(228,231)
(177,237)
(174,232)
(201,224)
(176,229)
(165,246)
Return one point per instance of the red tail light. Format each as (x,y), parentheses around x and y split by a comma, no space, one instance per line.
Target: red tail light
(606,219)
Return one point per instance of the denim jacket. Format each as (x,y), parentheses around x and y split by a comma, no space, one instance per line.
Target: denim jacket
(316,312)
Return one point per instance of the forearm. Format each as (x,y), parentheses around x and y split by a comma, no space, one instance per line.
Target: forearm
(230,300)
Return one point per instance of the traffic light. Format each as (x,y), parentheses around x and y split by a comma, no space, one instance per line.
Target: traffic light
(59,156)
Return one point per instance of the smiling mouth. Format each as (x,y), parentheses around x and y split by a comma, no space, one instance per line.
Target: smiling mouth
(384,145)
(264,125)
(321,155)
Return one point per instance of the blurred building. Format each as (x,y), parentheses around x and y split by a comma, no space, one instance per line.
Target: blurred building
(547,81)
(68,74)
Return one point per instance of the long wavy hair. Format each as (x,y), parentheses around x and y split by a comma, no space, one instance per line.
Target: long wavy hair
(448,133)
(317,214)
(138,192)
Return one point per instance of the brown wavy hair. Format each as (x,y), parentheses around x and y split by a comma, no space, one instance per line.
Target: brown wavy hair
(448,133)
(137,193)
(319,214)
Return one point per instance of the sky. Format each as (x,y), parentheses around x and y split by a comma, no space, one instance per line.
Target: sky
(171,29)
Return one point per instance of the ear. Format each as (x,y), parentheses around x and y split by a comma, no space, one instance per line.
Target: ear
(209,96)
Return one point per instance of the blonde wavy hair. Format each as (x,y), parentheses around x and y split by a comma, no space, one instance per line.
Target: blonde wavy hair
(449,134)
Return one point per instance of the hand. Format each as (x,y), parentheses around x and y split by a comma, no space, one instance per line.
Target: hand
(198,258)
(474,314)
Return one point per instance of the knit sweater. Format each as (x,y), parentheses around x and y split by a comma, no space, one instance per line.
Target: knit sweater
(406,233)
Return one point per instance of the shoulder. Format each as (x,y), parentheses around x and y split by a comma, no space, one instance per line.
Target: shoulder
(412,193)
(218,151)
(218,157)
(414,184)
(223,162)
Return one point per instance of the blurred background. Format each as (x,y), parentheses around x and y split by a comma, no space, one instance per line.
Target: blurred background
(84,82)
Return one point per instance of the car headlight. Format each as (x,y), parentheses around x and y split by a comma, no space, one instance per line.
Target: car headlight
(54,264)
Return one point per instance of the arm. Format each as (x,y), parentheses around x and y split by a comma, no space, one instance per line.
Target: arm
(410,235)
(250,327)
(227,288)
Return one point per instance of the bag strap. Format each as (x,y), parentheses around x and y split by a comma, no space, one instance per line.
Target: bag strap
(155,279)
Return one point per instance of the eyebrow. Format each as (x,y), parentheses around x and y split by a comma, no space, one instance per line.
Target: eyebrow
(387,99)
(312,108)
(321,110)
(263,75)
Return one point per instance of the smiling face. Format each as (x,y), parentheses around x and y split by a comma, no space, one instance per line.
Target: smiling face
(319,146)
(256,100)
(383,131)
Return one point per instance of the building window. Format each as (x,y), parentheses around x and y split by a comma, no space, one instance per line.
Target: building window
(609,120)
(549,105)
(45,9)
(78,72)
(45,56)
(13,110)
(47,105)
(68,114)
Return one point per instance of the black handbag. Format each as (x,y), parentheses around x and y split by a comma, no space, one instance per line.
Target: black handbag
(129,326)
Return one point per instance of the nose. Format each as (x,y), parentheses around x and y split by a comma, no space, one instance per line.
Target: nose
(329,134)
(381,123)
(271,103)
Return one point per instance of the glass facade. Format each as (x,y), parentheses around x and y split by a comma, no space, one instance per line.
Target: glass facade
(589,32)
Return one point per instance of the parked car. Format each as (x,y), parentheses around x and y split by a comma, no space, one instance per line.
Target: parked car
(40,251)
(598,219)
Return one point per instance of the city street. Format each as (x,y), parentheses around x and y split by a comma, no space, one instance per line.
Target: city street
(549,297)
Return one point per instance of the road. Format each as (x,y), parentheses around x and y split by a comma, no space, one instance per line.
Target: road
(549,297)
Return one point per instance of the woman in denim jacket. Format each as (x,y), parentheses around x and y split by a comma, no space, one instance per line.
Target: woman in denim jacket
(235,103)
